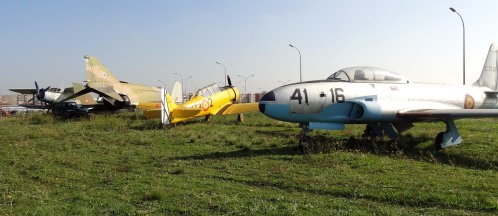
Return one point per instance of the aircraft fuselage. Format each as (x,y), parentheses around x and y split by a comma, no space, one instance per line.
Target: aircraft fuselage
(358,103)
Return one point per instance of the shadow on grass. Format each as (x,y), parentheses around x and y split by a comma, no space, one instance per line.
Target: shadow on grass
(406,146)
(157,125)
(288,150)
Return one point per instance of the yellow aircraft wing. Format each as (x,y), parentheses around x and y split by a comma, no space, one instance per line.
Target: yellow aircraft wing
(238,108)
(152,110)
(149,106)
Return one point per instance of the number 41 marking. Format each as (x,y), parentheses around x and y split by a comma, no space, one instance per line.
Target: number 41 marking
(337,95)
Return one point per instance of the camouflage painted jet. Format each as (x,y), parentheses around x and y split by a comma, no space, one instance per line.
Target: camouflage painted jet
(115,94)
(383,100)
(208,101)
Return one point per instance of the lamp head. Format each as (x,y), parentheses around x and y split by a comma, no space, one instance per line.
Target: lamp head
(452,9)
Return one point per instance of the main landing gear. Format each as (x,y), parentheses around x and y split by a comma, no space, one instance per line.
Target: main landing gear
(449,137)
(305,141)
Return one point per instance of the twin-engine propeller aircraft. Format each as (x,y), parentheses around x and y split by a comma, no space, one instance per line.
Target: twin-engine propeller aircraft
(208,101)
(115,94)
(383,100)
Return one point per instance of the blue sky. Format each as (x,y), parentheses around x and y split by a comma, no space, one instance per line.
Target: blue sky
(146,41)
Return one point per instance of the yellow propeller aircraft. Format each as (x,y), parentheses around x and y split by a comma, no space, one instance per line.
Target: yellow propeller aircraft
(208,101)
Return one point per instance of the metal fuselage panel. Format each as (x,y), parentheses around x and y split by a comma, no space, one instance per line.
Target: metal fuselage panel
(349,103)
(137,93)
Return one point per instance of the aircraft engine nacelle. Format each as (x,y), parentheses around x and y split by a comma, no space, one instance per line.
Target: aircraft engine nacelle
(125,103)
(114,104)
(352,111)
(234,94)
(365,109)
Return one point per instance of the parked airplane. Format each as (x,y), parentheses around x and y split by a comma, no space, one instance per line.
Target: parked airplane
(177,93)
(208,101)
(387,102)
(115,94)
(49,96)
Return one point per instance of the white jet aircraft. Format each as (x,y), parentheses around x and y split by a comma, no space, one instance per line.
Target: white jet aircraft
(383,100)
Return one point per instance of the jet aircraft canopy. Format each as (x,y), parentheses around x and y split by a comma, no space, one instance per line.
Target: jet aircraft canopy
(367,74)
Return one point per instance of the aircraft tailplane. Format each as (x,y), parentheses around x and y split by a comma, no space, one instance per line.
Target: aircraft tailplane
(167,107)
(85,99)
(97,72)
(489,74)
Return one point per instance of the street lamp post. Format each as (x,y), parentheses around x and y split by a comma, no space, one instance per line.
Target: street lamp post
(245,84)
(300,71)
(164,83)
(463,24)
(186,84)
(183,93)
(224,78)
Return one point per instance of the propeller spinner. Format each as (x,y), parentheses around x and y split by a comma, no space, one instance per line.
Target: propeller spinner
(40,93)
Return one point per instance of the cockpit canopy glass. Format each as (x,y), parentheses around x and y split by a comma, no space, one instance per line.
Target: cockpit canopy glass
(208,90)
(367,74)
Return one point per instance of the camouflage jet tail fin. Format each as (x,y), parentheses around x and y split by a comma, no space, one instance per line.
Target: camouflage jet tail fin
(96,71)
(489,74)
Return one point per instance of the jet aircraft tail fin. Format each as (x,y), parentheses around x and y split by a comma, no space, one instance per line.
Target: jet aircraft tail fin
(489,74)
(97,72)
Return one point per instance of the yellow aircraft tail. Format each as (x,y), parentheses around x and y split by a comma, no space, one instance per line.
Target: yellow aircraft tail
(97,72)
(171,103)
(154,110)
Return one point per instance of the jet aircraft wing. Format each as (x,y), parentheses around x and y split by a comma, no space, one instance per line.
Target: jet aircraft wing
(104,91)
(448,113)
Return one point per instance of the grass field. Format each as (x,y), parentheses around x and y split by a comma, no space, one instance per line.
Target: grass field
(123,164)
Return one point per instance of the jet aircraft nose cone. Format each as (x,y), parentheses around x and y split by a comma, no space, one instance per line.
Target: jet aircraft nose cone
(262,107)
(270,96)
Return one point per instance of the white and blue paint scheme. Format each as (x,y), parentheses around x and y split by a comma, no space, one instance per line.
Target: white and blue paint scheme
(386,101)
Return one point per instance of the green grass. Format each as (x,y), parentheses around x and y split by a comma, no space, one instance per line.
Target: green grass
(123,164)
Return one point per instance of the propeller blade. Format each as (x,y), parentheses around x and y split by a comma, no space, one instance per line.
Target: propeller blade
(46,89)
(37,89)
(229,80)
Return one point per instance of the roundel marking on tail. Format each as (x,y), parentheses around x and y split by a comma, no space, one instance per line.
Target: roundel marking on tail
(469,102)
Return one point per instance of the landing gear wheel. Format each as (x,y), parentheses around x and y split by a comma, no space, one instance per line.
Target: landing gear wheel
(370,133)
(439,141)
(240,117)
(207,118)
(305,142)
